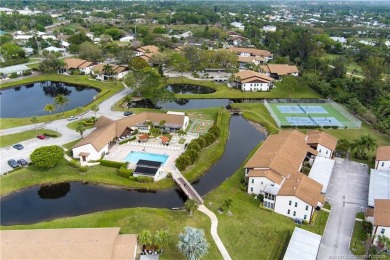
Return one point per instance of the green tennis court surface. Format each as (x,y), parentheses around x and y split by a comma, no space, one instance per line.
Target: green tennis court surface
(200,126)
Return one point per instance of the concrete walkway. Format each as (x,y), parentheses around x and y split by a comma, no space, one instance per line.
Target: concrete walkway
(214,233)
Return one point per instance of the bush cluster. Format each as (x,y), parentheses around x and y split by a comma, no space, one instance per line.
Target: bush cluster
(191,155)
(112,164)
(47,156)
(144,179)
(127,140)
(124,172)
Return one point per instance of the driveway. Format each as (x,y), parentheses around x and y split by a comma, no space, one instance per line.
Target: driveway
(348,194)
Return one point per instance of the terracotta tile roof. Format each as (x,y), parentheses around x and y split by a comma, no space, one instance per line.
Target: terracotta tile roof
(383,153)
(67,243)
(106,131)
(148,49)
(283,153)
(269,174)
(86,64)
(382,212)
(252,51)
(251,76)
(280,69)
(250,59)
(144,136)
(304,188)
(116,68)
(164,139)
(322,138)
(74,63)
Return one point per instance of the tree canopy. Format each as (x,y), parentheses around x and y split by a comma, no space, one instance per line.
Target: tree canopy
(47,156)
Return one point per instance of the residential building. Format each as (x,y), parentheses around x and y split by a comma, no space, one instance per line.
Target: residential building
(107,132)
(379,216)
(127,39)
(248,80)
(244,61)
(382,158)
(303,245)
(324,143)
(246,52)
(18,69)
(379,186)
(117,71)
(146,52)
(274,171)
(276,71)
(68,243)
(238,25)
(55,49)
(236,39)
(79,64)
(341,40)
(269,28)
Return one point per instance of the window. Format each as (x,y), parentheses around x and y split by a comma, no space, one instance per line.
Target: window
(261,182)
(307,207)
(383,164)
(294,213)
(382,231)
(289,203)
(253,180)
(304,217)
(326,151)
(288,212)
(320,150)
(251,189)
(296,204)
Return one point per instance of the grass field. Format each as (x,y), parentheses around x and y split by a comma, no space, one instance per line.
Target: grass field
(331,112)
(11,139)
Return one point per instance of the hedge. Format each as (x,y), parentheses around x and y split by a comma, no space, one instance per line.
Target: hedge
(128,140)
(144,179)
(124,172)
(111,164)
(50,135)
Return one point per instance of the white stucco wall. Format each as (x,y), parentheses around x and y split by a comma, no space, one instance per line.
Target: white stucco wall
(382,165)
(186,122)
(256,185)
(122,74)
(255,86)
(282,206)
(324,152)
(378,232)
(88,148)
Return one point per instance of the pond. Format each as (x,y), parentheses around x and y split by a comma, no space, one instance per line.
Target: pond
(35,96)
(34,204)
(189,89)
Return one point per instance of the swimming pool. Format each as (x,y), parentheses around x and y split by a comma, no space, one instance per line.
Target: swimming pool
(134,157)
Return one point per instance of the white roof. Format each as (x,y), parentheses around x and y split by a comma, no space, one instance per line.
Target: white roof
(176,113)
(126,39)
(23,37)
(379,186)
(12,69)
(52,48)
(321,171)
(303,245)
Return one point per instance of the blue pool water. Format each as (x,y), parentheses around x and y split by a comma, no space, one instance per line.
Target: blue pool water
(134,157)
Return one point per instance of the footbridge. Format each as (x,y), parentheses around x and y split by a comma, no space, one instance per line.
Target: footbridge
(186,187)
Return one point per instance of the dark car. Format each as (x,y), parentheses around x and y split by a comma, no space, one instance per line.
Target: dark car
(22,162)
(128,113)
(18,146)
(13,163)
(41,137)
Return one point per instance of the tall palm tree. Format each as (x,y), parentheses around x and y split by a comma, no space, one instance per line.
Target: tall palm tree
(190,205)
(108,70)
(227,203)
(369,142)
(161,238)
(80,128)
(95,108)
(61,101)
(145,238)
(49,108)
(181,132)
(61,65)
(343,146)
(35,120)
(79,111)
(192,243)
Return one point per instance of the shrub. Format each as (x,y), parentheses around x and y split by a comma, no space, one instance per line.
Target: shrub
(194,145)
(210,138)
(127,140)
(215,130)
(193,155)
(50,135)
(111,164)
(27,72)
(124,172)
(183,161)
(134,132)
(144,179)
(201,141)
(47,156)
(13,75)
(84,168)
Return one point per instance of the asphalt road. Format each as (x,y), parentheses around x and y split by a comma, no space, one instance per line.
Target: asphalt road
(68,135)
(348,194)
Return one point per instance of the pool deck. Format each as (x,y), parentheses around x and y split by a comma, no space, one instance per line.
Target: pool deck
(118,152)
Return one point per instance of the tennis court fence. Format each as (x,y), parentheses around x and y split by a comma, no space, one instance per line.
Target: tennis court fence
(353,121)
(273,115)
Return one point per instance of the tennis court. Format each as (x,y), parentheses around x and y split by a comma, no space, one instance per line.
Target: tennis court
(200,126)
(325,114)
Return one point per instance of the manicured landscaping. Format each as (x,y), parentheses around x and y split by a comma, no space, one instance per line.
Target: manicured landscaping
(107,89)
(73,125)
(11,139)
(358,238)
(70,144)
(222,91)
(133,221)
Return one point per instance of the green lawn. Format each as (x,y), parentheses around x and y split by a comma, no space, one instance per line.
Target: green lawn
(70,144)
(72,125)
(222,91)
(107,90)
(357,240)
(133,221)
(11,139)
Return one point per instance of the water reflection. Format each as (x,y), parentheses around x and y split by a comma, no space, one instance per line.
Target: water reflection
(54,191)
(189,89)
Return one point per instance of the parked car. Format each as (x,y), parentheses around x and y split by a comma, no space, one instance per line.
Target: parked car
(128,113)
(13,163)
(22,162)
(42,137)
(18,146)
(72,118)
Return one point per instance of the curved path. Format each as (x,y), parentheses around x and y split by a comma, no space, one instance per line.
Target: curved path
(214,233)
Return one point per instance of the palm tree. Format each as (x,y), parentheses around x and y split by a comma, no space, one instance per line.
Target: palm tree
(190,205)
(95,108)
(49,108)
(161,238)
(227,203)
(108,70)
(181,132)
(365,142)
(61,101)
(369,142)
(80,128)
(343,146)
(35,120)
(145,238)
(162,124)
(61,65)
(79,111)
(192,243)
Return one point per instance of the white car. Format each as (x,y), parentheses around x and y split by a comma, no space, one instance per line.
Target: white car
(72,118)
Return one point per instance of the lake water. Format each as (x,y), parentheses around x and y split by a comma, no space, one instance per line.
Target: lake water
(30,99)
